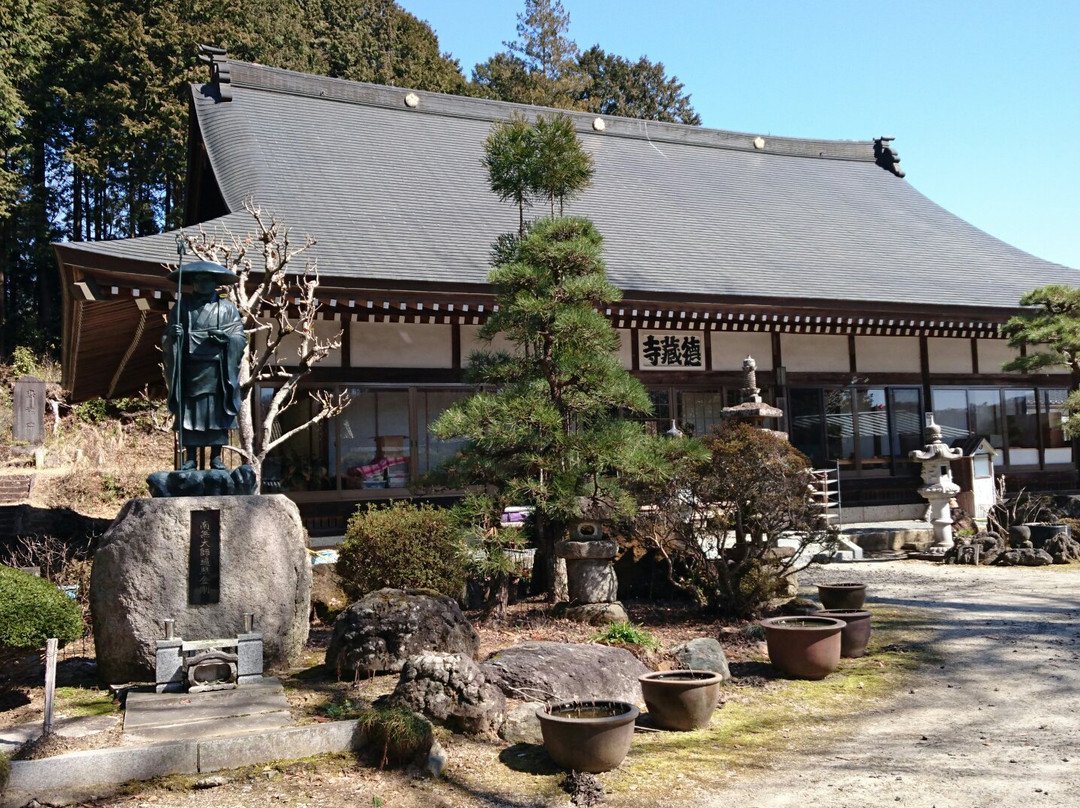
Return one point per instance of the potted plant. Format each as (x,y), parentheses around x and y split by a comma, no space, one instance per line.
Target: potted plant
(805,647)
(846,595)
(856,632)
(680,699)
(588,736)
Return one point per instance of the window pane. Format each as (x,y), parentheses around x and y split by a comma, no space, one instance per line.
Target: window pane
(986,420)
(907,428)
(950,408)
(302,463)
(805,424)
(1052,422)
(701,411)
(1021,426)
(375,439)
(839,428)
(873,418)
(432,452)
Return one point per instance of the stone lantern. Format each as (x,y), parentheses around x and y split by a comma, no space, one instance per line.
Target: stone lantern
(590,573)
(938,486)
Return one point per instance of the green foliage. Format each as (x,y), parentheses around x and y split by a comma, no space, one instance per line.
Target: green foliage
(5,771)
(32,610)
(399,734)
(527,161)
(92,411)
(540,67)
(543,67)
(717,517)
(641,89)
(402,545)
(1050,330)
(625,633)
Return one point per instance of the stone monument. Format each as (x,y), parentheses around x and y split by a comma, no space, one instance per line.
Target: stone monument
(203,554)
(28,416)
(938,486)
(752,408)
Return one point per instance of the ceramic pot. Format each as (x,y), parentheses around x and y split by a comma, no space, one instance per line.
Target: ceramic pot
(855,634)
(847,595)
(588,736)
(804,647)
(680,699)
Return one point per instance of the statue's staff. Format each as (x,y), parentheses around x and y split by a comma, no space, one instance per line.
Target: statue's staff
(181,249)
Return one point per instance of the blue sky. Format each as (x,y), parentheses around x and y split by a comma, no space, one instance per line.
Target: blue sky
(982,97)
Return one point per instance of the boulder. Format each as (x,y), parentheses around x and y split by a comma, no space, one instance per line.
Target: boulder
(1024,557)
(450,689)
(1063,549)
(702,654)
(141,577)
(384,628)
(593,614)
(521,724)
(553,671)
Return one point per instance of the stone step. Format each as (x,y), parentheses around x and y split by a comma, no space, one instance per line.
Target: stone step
(218,713)
(15,488)
(217,727)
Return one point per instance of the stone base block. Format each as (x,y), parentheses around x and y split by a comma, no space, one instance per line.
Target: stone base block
(591,580)
(594,614)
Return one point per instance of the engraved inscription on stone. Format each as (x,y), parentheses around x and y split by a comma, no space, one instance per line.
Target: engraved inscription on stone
(204,559)
(29,405)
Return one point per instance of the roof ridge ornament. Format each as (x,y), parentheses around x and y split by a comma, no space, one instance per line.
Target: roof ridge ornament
(885,155)
(220,70)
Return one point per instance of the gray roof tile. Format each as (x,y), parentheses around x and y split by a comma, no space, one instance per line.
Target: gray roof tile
(393,193)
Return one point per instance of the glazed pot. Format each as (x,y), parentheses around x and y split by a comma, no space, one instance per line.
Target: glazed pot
(680,699)
(588,736)
(849,595)
(855,634)
(804,647)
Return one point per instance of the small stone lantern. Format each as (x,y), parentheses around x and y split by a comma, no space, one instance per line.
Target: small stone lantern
(938,486)
(590,573)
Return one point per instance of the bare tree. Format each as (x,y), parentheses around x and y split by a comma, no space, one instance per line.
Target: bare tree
(276,301)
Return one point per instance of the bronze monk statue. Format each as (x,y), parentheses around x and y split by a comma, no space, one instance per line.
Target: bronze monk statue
(203,346)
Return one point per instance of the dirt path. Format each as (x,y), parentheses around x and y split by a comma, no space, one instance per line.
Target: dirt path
(997,725)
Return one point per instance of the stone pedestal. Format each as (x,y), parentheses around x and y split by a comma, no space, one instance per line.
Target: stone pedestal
(143,575)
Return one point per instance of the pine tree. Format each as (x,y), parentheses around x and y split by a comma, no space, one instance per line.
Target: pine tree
(549,431)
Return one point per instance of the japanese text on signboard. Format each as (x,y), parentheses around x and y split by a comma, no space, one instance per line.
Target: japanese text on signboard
(671,351)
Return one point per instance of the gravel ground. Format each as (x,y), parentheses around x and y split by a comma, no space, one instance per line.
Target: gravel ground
(997,725)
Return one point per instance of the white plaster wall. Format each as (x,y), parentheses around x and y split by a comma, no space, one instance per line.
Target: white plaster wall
(401,345)
(730,348)
(993,353)
(626,348)
(947,355)
(470,343)
(887,354)
(827,353)
(287,351)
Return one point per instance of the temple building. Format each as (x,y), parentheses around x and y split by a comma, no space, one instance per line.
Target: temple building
(863,303)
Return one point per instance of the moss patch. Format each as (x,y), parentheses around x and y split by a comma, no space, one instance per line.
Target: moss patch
(81,701)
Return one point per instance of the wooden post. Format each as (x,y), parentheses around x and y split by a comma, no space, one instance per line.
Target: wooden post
(50,683)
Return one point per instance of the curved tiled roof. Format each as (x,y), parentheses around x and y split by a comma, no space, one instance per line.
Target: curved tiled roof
(397,193)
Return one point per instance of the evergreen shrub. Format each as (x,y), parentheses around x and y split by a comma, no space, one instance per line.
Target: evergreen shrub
(32,610)
(404,546)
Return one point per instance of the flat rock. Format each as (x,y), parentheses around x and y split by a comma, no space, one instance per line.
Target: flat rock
(552,671)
